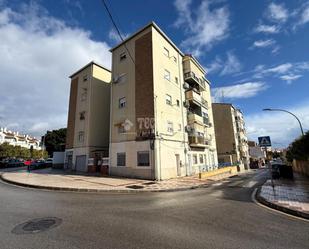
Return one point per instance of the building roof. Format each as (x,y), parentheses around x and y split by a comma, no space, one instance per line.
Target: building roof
(151,24)
(229,104)
(89,64)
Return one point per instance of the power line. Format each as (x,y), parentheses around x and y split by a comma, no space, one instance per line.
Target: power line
(118,31)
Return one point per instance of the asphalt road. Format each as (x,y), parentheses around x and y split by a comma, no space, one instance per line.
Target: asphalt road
(219,216)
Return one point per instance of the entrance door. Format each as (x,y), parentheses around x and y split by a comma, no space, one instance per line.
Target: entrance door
(69,162)
(178,164)
(80,164)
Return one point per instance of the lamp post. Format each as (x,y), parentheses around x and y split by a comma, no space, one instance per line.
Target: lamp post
(281,110)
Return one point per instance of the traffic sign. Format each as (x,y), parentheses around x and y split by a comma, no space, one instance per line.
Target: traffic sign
(264,141)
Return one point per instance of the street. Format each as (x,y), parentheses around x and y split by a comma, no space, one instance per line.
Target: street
(219,216)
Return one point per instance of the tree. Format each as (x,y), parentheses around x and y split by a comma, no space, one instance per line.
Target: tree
(299,149)
(55,140)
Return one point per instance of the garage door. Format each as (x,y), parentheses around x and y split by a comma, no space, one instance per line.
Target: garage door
(80,164)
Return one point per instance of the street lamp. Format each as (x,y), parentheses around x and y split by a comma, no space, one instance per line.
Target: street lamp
(281,110)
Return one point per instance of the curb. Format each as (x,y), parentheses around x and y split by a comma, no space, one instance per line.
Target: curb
(85,190)
(272,205)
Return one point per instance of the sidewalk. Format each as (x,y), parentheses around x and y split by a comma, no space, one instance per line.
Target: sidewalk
(67,181)
(290,196)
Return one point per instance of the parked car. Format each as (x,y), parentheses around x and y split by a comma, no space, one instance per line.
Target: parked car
(37,164)
(49,162)
(13,163)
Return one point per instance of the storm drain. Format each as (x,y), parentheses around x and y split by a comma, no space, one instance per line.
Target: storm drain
(135,186)
(37,225)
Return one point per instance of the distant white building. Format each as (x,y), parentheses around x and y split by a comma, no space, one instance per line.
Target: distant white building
(16,139)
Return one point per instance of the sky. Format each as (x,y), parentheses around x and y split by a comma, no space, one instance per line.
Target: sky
(256,54)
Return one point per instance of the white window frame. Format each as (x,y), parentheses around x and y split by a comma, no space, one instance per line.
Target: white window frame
(167,75)
(121,103)
(81,136)
(168,99)
(170,127)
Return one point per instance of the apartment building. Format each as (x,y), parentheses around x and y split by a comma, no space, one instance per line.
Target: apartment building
(161,123)
(88,117)
(231,138)
(17,139)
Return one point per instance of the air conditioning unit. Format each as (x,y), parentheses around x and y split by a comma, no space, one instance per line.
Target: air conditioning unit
(186,104)
(186,85)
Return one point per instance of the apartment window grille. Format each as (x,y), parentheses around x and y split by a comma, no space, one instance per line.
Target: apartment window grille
(170,127)
(194,159)
(85,78)
(121,159)
(122,102)
(81,136)
(82,115)
(166,52)
(143,158)
(122,56)
(201,159)
(167,75)
(177,102)
(176,80)
(168,99)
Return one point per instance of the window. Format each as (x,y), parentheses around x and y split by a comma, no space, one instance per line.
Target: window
(170,127)
(201,159)
(83,96)
(194,159)
(176,80)
(166,52)
(177,102)
(81,136)
(174,59)
(85,78)
(121,159)
(167,75)
(122,102)
(168,99)
(179,127)
(82,115)
(143,158)
(122,56)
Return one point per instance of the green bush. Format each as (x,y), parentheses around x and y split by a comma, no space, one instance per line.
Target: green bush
(299,149)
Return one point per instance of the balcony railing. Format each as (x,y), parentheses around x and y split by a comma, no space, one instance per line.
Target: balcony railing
(190,77)
(195,118)
(197,141)
(196,98)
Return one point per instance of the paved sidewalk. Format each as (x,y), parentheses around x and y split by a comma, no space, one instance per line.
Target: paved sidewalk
(290,196)
(67,181)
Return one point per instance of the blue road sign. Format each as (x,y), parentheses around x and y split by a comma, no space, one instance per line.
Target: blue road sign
(264,141)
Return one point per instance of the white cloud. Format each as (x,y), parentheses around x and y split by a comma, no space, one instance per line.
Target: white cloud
(277,12)
(264,43)
(281,127)
(283,68)
(290,77)
(38,52)
(270,29)
(205,25)
(243,90)
(232,64)
(229,65)
(305,15)
(114,37)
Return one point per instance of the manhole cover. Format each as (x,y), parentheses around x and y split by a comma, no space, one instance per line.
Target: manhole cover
(135,186)
(37,225)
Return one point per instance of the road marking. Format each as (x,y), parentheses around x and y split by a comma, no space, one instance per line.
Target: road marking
(274,210)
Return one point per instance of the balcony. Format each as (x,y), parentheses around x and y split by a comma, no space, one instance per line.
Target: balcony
(198,141)
(196,98)
(192,79)
(195,118)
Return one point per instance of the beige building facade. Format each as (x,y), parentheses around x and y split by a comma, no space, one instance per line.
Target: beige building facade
(161,122)
(231,138)
(88,117)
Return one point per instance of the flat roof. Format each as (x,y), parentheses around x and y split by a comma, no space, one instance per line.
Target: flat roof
(151,24)
(87,65)
(229,104)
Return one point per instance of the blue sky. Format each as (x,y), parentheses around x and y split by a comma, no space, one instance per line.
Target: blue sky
(256,54)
